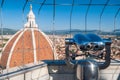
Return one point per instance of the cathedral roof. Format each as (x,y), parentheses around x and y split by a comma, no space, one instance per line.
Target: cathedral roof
(28,45)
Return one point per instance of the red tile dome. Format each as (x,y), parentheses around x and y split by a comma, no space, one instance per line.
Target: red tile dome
(27,46)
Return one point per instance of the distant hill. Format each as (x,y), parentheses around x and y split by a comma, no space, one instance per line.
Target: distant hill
(117,30)
(75,31)
(7,31)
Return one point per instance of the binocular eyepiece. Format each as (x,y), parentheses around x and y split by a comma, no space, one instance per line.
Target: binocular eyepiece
(92,46)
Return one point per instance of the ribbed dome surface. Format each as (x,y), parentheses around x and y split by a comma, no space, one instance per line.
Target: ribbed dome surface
(27,46)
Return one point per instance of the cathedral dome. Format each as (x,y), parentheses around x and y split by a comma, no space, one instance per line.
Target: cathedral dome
(28,45)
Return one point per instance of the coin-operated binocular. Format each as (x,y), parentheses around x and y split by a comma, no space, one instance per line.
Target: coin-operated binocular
(89,44)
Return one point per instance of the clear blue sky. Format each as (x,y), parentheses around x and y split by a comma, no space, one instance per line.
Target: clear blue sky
(14,18)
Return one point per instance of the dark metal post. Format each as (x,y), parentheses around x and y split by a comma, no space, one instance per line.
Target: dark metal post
(107,56)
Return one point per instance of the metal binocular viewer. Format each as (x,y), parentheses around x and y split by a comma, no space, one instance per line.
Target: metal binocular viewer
(88,68)
(88,42)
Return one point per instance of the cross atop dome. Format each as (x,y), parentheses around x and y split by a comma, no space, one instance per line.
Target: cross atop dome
(30,19)
(30,6)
